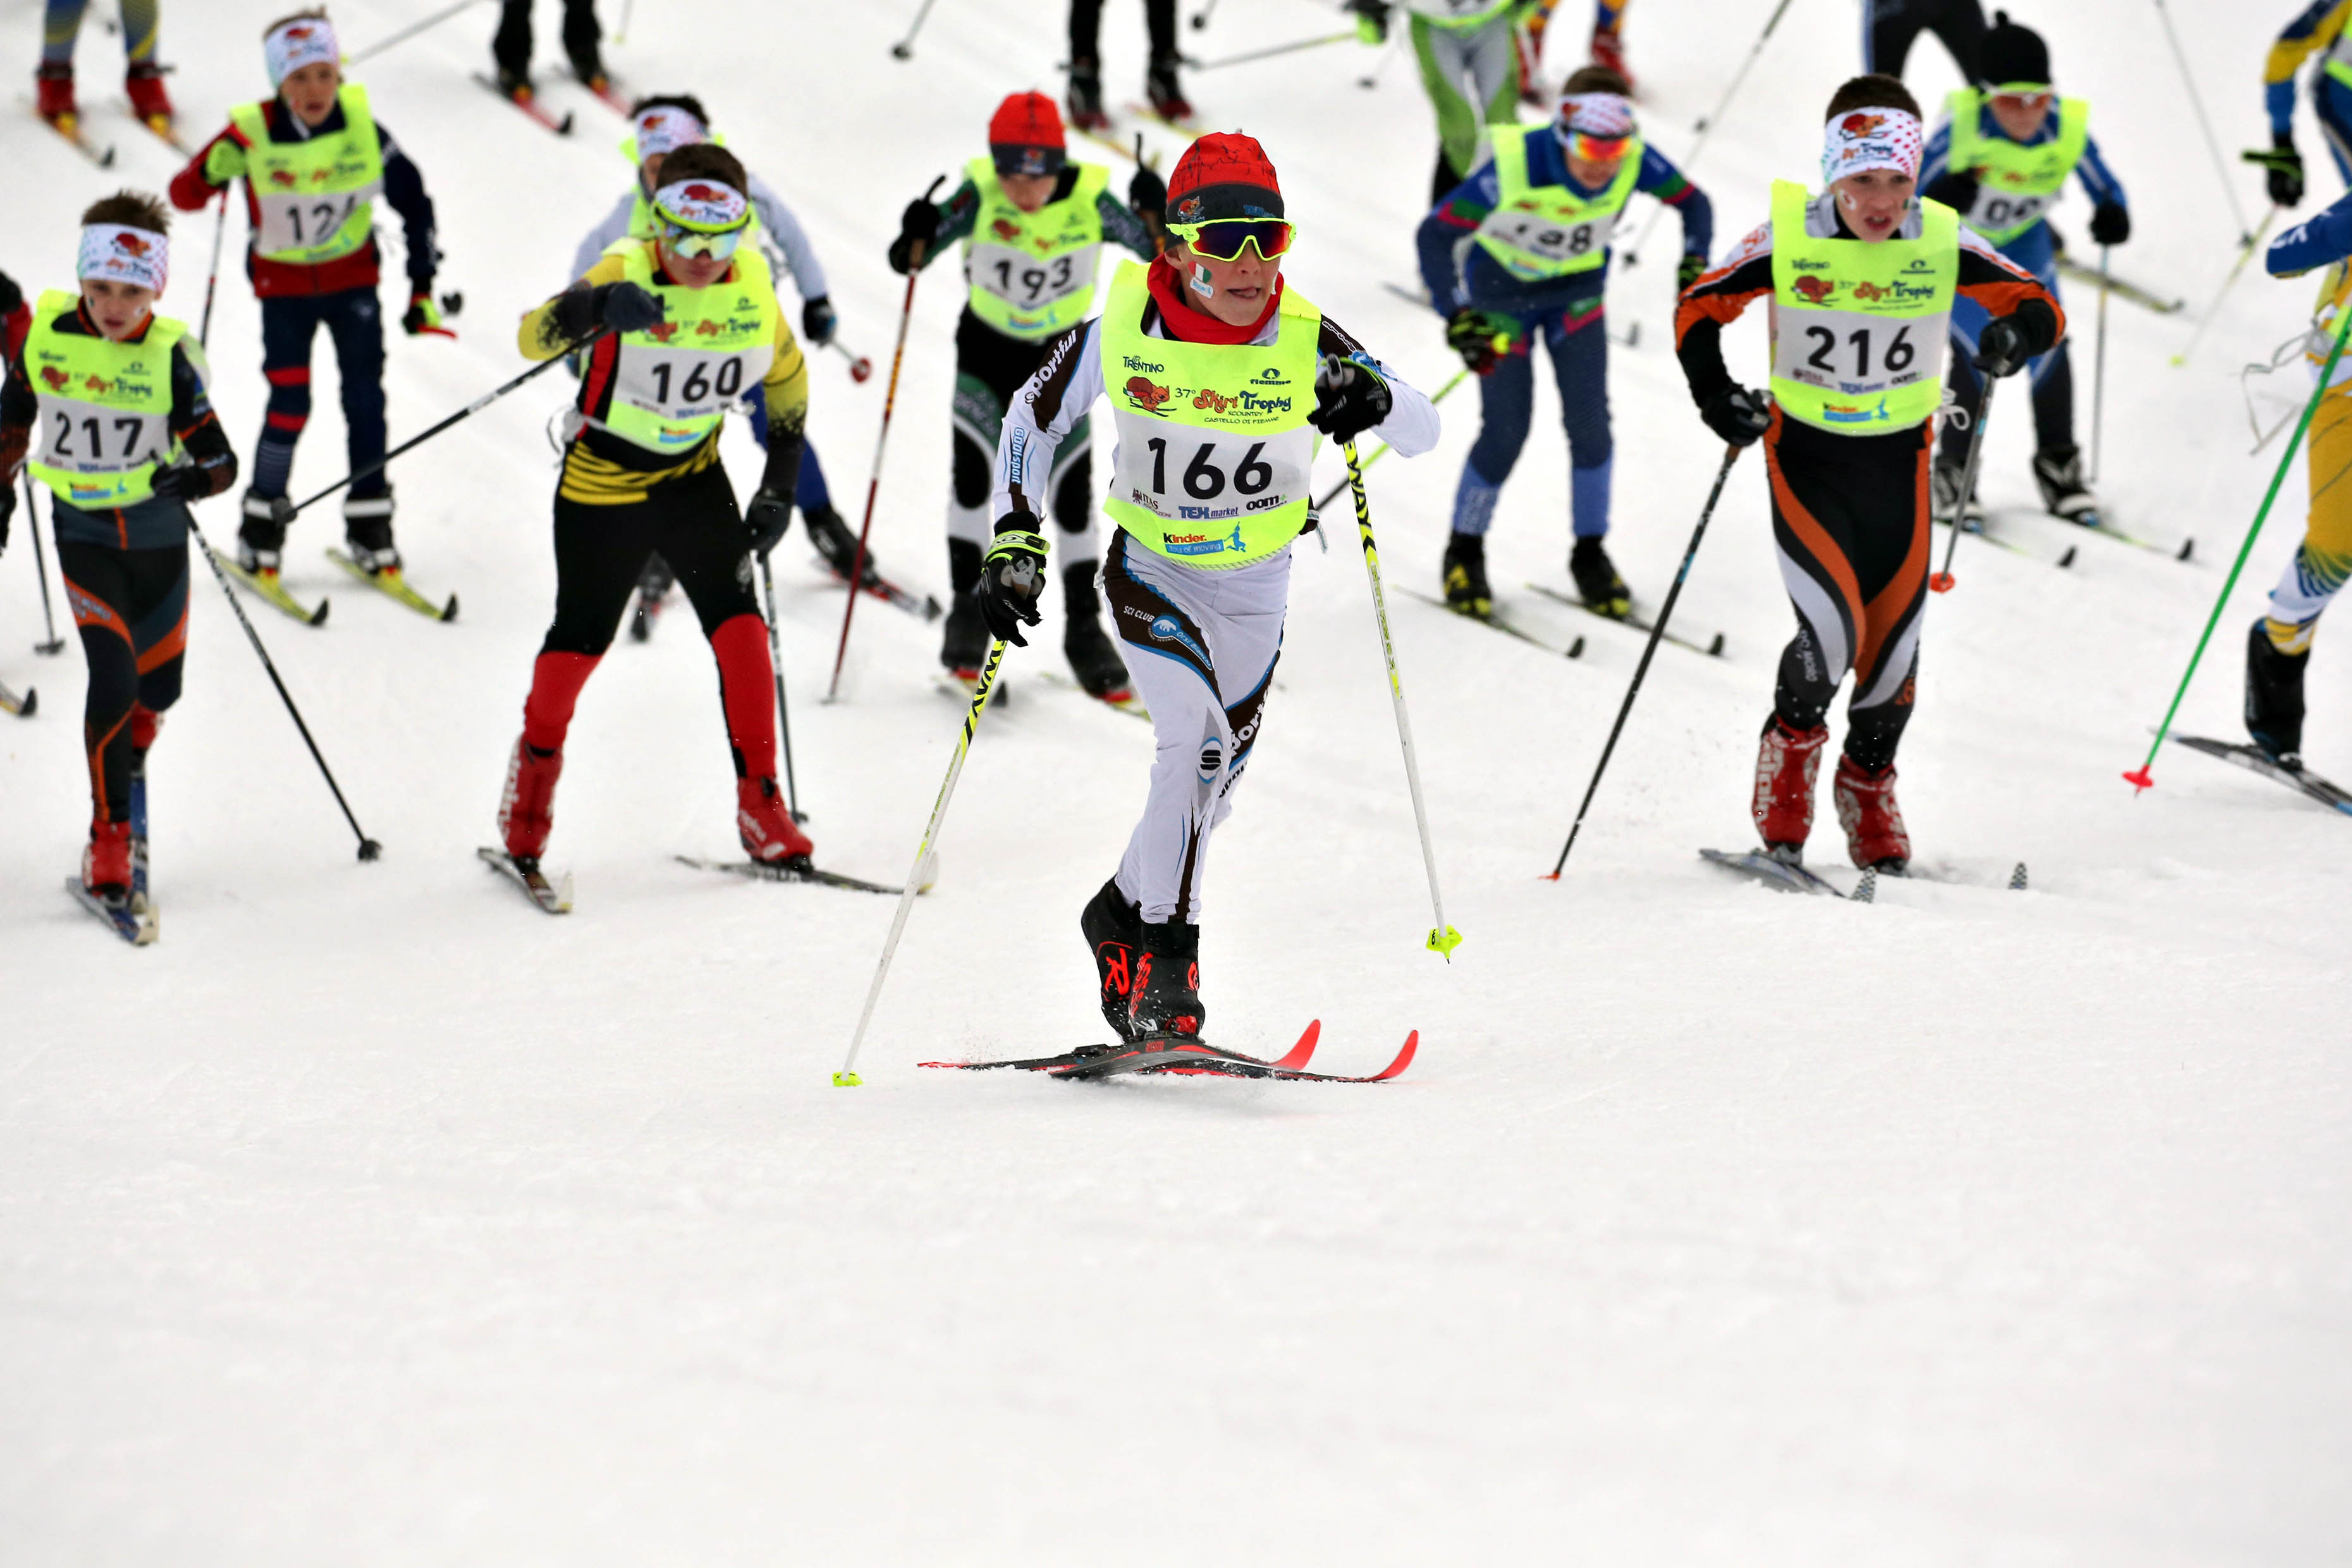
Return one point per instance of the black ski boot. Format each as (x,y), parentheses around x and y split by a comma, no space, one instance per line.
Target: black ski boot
(2275,696)
(838,544)
(1085,97)
(261,533)
(1597,580)
(1464,568)
(964,646)
(653,590)
(1166,995)
(1167,99)
(1113,928)
(1094,658)
(2059,471)
(367,532)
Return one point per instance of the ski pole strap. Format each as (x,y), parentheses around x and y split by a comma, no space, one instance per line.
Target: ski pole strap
(1943,582)
(2261,514)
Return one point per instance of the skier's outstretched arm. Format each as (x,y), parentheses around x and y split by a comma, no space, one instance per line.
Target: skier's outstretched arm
(1040,419)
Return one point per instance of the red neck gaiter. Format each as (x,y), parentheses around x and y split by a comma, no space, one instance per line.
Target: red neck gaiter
(1176,312)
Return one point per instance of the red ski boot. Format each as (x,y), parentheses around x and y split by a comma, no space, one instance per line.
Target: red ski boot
(1786,762)
(54,86)
(527,810)
(767,830)
(106,864)
(1873,822)
(144,83)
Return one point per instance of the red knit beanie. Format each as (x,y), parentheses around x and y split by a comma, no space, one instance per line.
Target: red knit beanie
(1025,135)
(1224,174)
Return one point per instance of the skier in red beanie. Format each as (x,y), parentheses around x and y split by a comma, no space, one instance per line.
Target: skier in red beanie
(1033,224)
(1219,379)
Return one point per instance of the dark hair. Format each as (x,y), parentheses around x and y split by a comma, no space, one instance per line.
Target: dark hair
(1598,78)
(315,14)
(1876,91)
(706,160)
(132,209)
(685,100)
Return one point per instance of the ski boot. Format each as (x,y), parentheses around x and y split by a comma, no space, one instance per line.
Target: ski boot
(527,808)
(838,545)
(1464,568)
(1165,998)
(2059,471)
(1875,838)
(1944,493)
(106,862)
(515,84)
(1113,928)
(588,68)
(144,83)
(261,534)
(769,833)
(367,533)
(54,87)
(1787,761)
(1083,100)
(653,592)
(1597,580)
(1167,99)
(2275,696)
(1608,50)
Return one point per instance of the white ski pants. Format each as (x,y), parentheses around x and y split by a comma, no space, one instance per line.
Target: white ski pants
(1201,646)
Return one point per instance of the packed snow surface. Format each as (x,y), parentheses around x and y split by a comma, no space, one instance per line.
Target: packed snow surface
(373,1216)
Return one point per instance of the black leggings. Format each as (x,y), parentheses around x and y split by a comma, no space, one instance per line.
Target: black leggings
(1850,517)
(1086,28)
(1889,26)
(132,609)
(601,550)
(511,45)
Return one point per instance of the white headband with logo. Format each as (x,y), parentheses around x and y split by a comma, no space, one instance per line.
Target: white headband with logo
(666,128)
(705,204)
(1864,138)
(304,41)
(121,254)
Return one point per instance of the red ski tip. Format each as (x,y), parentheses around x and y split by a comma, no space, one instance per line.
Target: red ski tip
(1942,582)
(2140,779)
(1304,1048)
(1404,1058)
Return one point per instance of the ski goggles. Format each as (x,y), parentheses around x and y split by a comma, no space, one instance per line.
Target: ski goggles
(698,242)
(702,217)
(1222,239)
(1595,149)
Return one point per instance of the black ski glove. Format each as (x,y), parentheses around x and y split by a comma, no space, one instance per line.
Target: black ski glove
(768,517)
(181,482)
(1147,193)
(8,510)
(1687,271)
(818,320)
(1957,189)
(2111,224)
(2002,348)
(2283,166)
(1012,575)
(1350,398)
(1482,338)
(919,222)
(1738,416)
(627,307)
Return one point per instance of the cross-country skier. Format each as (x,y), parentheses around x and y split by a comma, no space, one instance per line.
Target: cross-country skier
(127,439)
(1033,224)
(2319,29)
(314,159)
(2001,159)
(1468,52)
(1889,28)
(658,127)
(689,320)
(510,47)
(1218,378)
(143,78)
(1520,251)
(1159,84)
(2278,645)
(1863,279)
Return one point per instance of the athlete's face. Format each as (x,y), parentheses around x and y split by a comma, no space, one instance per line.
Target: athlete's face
(1873,202)
(693,271)
(119,309)
(1237,289)
(2020,115)
(1029,192)
(311,91)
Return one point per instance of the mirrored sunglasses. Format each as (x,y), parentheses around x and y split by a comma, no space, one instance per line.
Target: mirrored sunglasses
(702,242)
(1222,239)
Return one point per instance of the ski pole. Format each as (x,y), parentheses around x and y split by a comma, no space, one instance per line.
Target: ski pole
(1706,127)
(407,33)
(1943,582)
(1201,20)
(2245,252)
(2099,368)
(1436,397)
(874,482)
(369,848)
(848,1076)
(41,566)
(2221,167)
(1657,631)
(1372,79)
(904,48)
(462,414)
(1347,37)
(1443,937)
(783,710)
(860,367)
(212,279)
(621,32)
(2141,778)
